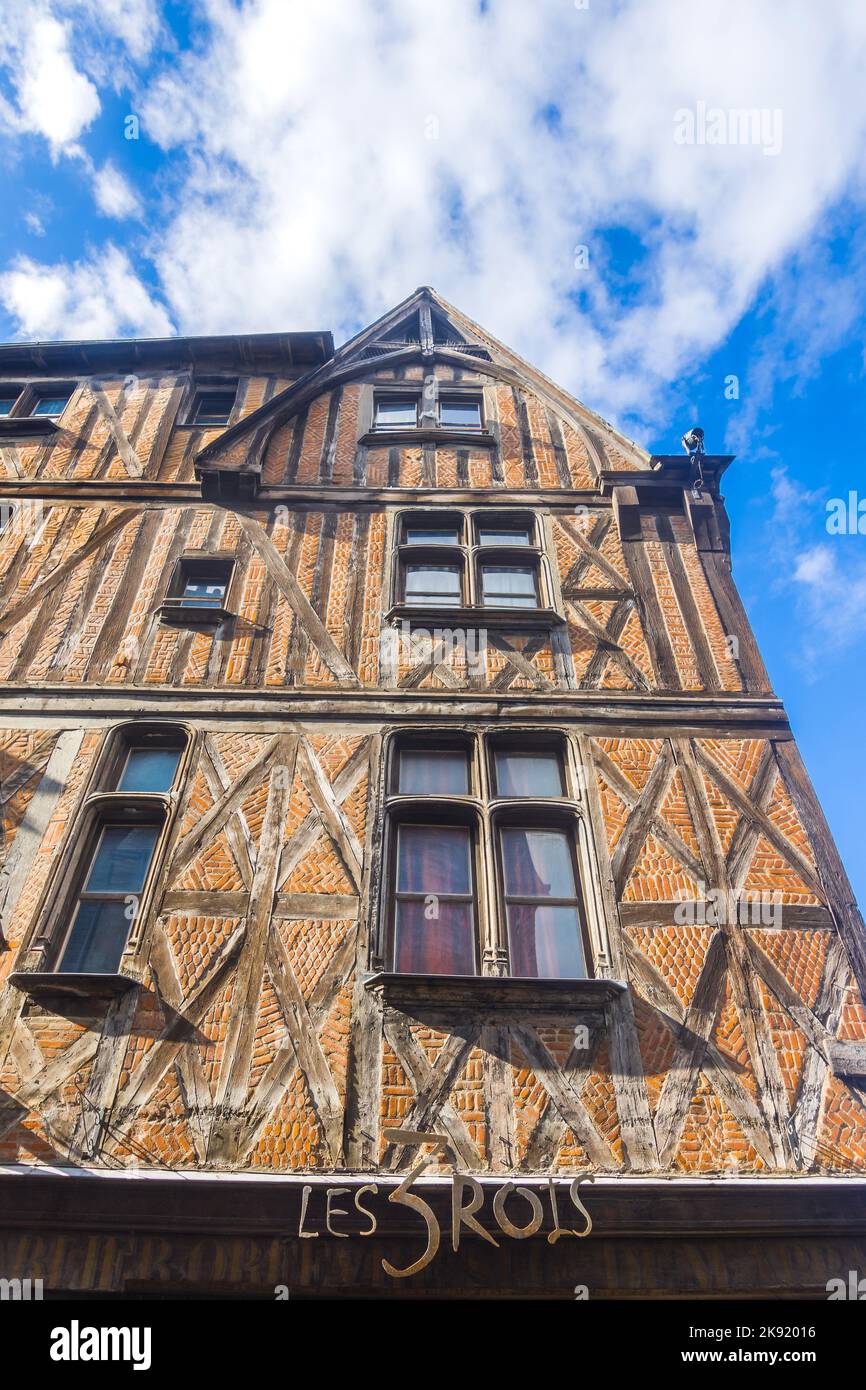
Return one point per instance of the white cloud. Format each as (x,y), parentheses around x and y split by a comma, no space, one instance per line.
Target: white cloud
(53,98)
(101,297)
(832,597)
(114,197)
(311,184)
(817,569)
(794,506)
(326,159)
(136,23)
(824,581)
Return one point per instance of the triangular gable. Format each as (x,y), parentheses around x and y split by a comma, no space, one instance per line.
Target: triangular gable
(425,325)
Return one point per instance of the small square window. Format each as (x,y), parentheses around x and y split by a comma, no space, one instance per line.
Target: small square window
(460,412)
(433,585)
(432,535)
(213,407)
(399,413)
(509,586)
(6,404)
(201,584)
(50,404)
(149,768)
(504,535)
(204,590)
(528,774)
(433,772)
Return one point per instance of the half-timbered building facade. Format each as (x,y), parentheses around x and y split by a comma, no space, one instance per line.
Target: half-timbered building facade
(409,879)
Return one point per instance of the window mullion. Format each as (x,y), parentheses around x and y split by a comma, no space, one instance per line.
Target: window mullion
(470,570)
(494,938)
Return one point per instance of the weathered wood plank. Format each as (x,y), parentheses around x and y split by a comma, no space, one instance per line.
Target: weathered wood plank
(679,1084)
(19,610)
(652,620)
(125,452)
(298,601)
(564,1096)
(642,819)
(748,808)
(432,1086)
(240,1035)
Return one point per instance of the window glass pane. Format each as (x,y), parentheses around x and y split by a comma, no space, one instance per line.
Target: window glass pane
(528,774)
(434,939)
(439,772)
(456,411)
(50,405)
(537,863)
(489,535)
(432,535)
(97,938)
(204,590)
(545,942)
(149,770)
(6,404)
(433,859)
(121,859)
(394,413)
(436,584)
(214,407)
(509,587)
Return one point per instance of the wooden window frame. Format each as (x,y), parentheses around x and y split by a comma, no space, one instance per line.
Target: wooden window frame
(434,813)
(173,608)
(489,813)
(385,397)
(11,390)
(29,392)
(36,972)
(450,556)
(533,813)
(475,394)
(428,741)
(474,557)
(488,557)
(132,736)
(204,387)
(431,812)
(434,520)
(542,742)
(426,419)
(145,808)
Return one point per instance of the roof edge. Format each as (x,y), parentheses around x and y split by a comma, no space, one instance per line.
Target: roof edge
(235,350)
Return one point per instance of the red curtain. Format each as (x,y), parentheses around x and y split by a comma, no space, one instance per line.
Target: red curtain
(434,937)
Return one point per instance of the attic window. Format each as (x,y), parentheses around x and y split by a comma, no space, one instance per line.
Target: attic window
(213,406)
(203,584)
(200,584)
(36,399)
(460,412)
(50,403)
(399,412)
(452,412)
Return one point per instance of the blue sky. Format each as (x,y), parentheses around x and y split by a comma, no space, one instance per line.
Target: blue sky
(573,175)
